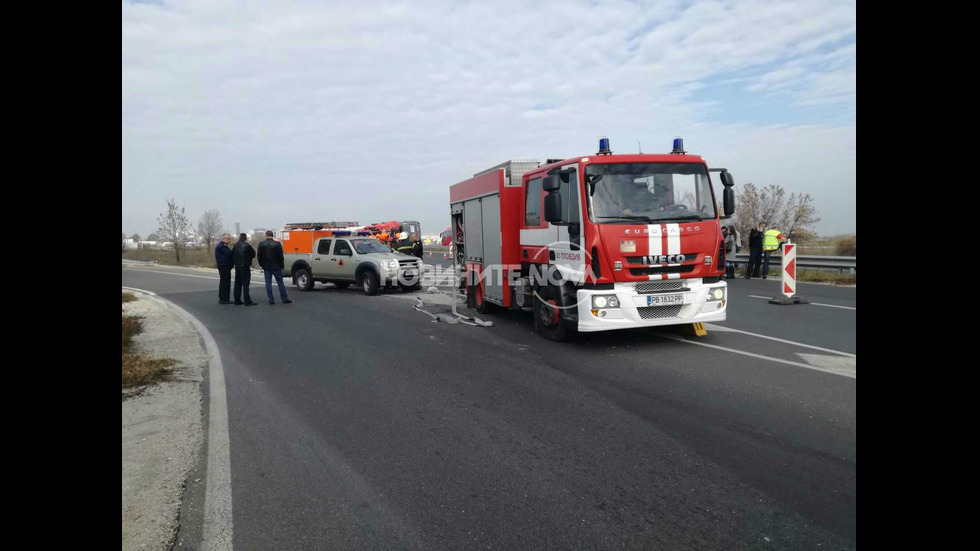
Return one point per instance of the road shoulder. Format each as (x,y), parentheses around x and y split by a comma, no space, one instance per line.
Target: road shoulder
(162,433)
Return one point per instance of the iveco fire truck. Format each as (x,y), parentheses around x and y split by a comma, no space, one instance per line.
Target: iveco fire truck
(595,243)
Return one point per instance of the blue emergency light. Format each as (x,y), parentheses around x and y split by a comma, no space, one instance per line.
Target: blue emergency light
(678,147)
(604,147)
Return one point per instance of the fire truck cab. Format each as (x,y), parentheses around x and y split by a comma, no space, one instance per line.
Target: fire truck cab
(595,243)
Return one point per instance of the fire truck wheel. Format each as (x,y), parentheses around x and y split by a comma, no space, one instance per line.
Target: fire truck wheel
(342,284)
(369,282)
(303,280)
(477,302)
(547,319)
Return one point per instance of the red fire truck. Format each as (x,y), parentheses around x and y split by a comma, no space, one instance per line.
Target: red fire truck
(595,243)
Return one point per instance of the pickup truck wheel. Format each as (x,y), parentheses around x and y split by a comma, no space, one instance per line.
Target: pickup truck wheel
(369,282)
(342,284)
(547,319)
(303,280)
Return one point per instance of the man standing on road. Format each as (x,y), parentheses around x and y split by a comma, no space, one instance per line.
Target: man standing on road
(416,246)
(755,251)
(243,253)
(771,240)
(272,262)
(223,259)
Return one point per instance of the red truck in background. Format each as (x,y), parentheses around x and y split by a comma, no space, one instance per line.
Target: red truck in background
(595,243)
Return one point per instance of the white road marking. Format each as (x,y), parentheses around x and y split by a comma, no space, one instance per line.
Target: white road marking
(261,283)
(760,356)
(218,527)
(151,293)
(814,303)
(733,330)
(832,363)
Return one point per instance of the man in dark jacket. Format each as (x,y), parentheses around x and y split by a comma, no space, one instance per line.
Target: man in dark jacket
(272,262)
(223,258)
(755,251)
(242,254)
(416,246)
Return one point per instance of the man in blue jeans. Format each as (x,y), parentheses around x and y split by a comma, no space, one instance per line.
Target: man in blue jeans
(272,262)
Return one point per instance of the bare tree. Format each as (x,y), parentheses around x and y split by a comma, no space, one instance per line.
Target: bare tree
(794,216)
(796,222)
(173,226)
(210,227)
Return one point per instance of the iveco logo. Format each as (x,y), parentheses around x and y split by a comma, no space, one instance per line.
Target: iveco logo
(665,259)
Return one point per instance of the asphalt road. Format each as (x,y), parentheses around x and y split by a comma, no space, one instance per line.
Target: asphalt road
(355,422)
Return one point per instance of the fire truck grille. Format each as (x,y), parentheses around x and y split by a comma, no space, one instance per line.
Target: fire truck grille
(659,312)
(644,260)
(660,286)
(664,270)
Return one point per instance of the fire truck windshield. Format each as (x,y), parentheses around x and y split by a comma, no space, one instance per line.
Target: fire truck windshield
(365,246)
(622,193)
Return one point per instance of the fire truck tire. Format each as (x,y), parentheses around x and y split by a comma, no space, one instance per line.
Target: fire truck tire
(369,282)
(303,279)
(548,320)
(342,284)
(475,300)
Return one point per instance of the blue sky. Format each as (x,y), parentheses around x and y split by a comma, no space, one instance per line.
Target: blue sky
(290,111)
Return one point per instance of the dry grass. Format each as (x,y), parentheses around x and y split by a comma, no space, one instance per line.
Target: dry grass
(810,276)
(138,369)
(814,276)
(128,297)
(189,257)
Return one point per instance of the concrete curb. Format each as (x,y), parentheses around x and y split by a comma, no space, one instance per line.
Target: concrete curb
(218,527)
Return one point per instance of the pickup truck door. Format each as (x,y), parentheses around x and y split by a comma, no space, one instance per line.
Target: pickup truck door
(321,259)
(343,260)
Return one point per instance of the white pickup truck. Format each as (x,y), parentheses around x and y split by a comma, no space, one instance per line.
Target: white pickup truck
(363,261)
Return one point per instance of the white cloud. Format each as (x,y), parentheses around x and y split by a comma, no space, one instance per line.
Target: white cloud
(298,110)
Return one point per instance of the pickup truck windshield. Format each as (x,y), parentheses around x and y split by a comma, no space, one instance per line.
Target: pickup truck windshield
(624,193)
(365,246)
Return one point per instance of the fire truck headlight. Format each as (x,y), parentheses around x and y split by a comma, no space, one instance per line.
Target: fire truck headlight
(716,294)
(605,301)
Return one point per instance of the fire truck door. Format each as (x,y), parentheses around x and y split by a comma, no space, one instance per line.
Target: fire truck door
(569,256)
(493,286)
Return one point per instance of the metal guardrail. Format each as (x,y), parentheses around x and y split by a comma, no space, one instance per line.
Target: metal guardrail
(840,263)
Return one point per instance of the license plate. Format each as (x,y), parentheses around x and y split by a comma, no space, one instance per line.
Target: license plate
(664,300)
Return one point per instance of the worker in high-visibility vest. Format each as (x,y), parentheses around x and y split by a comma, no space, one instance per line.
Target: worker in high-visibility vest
(771,240)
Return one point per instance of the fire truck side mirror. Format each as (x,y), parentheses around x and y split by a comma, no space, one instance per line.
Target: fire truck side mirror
(551,183)
(727,180)
(729,198)
(552,207)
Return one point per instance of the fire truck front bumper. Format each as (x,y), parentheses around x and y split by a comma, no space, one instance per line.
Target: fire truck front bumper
(624,307)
